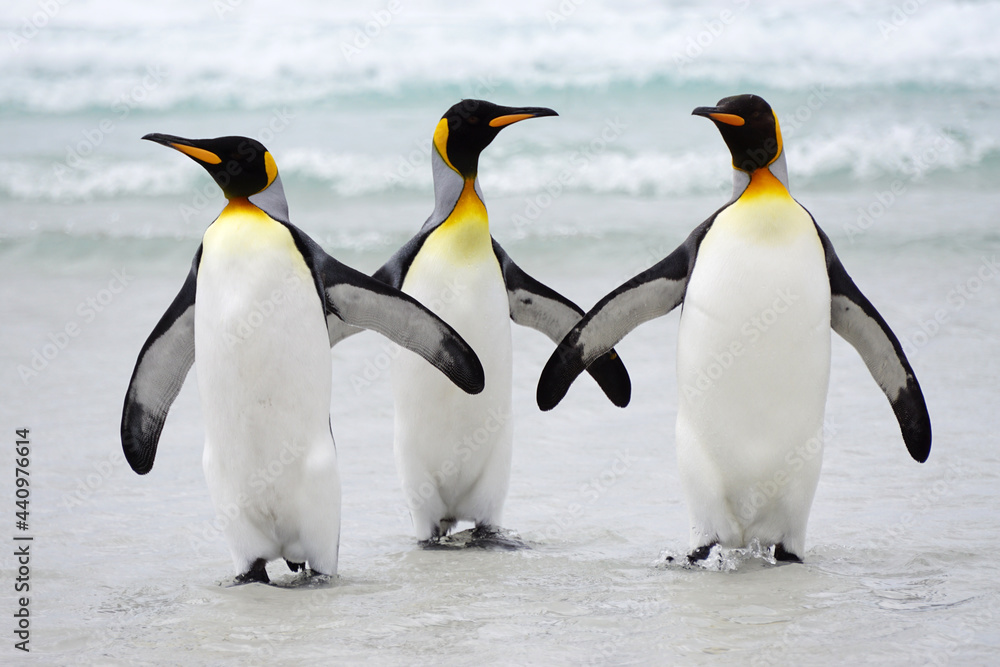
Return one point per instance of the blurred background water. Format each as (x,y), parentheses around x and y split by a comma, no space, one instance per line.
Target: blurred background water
(889,113)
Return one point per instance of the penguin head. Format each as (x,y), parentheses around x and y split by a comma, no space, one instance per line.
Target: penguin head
(241,166)
(469,126)
(750,129)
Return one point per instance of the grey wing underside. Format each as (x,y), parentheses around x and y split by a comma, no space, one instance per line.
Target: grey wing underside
(355,300)
(160,370)
(391,273)
(535,305)
(860,324)
(653,293)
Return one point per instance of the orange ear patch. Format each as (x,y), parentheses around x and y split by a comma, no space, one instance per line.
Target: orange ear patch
(441,142)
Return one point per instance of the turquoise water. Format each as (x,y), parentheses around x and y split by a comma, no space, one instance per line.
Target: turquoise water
(889,114)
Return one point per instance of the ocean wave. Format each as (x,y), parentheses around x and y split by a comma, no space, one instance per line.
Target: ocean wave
(234,54)
(99,178)
(853,155)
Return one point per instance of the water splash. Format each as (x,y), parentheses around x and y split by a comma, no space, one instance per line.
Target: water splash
(722,559)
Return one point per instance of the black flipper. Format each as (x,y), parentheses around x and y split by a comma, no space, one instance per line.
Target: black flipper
(856,320)
(338,329)
(535,305)
(367,303)
(392,274)
(159,373)
(654,292)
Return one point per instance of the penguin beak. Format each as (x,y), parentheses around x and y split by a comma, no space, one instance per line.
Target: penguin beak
(719,116)
(511,116)
(187,146)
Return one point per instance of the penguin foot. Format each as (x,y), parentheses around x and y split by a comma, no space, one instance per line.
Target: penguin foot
(319,580)
(444,527)
(439,539)
(310,578)
(306,578)
(782,555)
(256,574)
(435,544)
(480,537)
(295,567)
(493,537)
(701,553)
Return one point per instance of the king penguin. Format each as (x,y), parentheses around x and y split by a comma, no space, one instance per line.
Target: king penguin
(453,451)
(761,286)
(256,314)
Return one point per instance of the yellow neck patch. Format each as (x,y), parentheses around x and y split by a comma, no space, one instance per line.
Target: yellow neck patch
(764,213)
(464,236)
(764,184)
(242,228)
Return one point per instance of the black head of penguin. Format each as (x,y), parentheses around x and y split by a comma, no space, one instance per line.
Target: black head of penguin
(241,166)
(469,126)
(750,129)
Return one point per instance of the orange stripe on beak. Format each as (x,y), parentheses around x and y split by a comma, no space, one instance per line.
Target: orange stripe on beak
(198,153)
(503,121)
(728,119)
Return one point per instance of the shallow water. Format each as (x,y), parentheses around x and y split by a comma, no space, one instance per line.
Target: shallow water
(900,564)
(899,568)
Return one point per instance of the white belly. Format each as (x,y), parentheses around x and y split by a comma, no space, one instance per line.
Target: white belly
(263,362)
(753,366)
(453,450)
